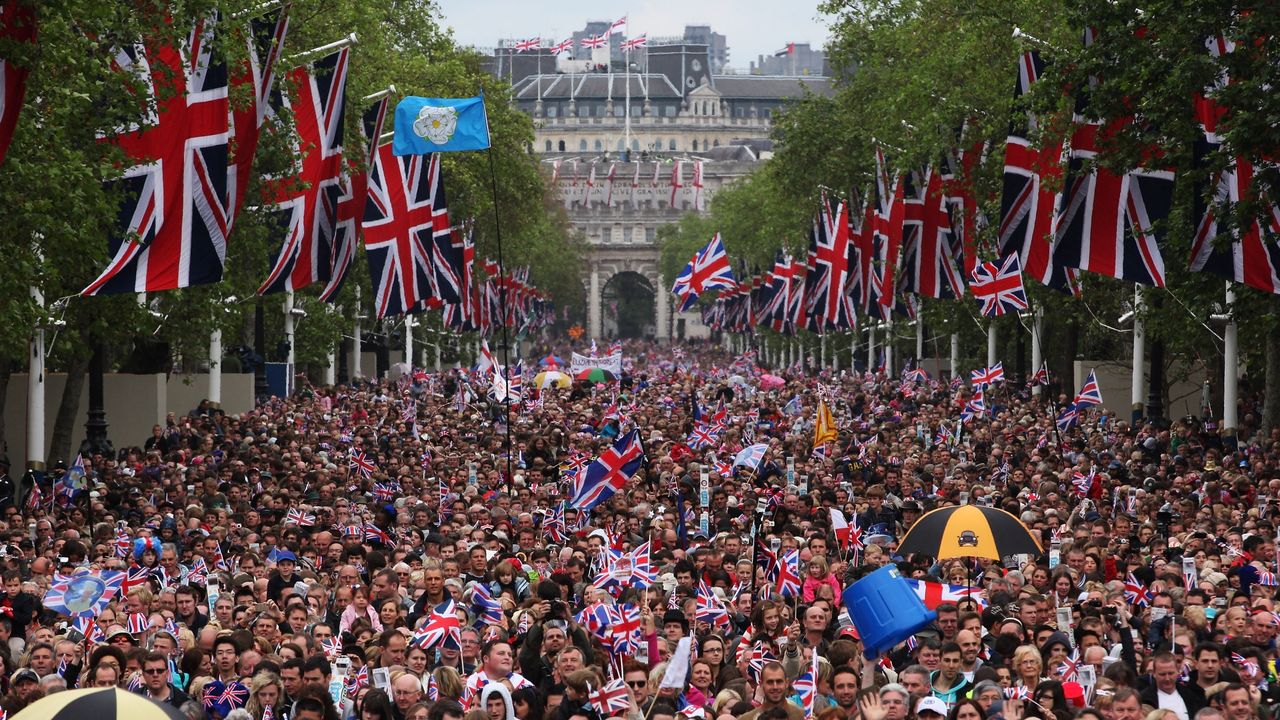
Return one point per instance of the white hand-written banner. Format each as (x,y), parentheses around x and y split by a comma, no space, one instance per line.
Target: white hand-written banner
(612,363)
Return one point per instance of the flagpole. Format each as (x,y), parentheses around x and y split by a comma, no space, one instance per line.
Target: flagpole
(502,289)
(626,123)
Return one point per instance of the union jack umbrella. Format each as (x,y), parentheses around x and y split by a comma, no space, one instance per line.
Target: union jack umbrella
(999,287)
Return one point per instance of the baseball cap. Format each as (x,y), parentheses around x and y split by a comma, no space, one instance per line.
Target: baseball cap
(24,674)
(933,705)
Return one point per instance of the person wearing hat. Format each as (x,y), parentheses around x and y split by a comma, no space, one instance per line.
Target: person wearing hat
(22,687)
(283,576)
(674,625)
(930,708)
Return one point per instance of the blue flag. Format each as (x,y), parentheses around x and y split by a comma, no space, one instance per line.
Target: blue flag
(427,125)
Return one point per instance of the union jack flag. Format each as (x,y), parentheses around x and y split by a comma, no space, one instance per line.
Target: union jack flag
(17,24)
(710,608)
(136,575)
(983,377)
(807,688)
(553,524)
(89,627)
(1068,418)
(1070,667)
(138,623)
(184,188)
(612,699)
(562,46)
(595,619)
(708,268)
(596,41)
(933,594)
(1028,199)
(301,518)
(433,688)
(331,647)
(1041,376)
(760,656)
(375,534)
(358,681)
(123,540)
(307,203)
(1083,483)
(401,222)
(608,473)
(527,45)
(789,573)
(703,436)
(1020,692)
(488,610)
(355,191)
(931,259)
(385,492)
(1089,393)
(1249,666)
(362,464)
(441,625)
(624,630)
(999,287)
(635,43)
(1135,592)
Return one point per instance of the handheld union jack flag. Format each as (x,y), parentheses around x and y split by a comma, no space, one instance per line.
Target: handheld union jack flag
(301,518)
(608,473)
(1089,394)
(806,686)
(707,269)
(789,573)
(983,377)
(999,287)
(82,594)
(624,630)
(1041,376)
(710,608)
(612,699)
(441,625)
(1136,592)
(1083,483)
(1068,418)
(361,464)
(488,610)
(375,534)
(1069,670)
(358,681)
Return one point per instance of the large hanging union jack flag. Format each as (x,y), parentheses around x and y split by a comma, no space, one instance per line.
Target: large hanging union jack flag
(354,191)
(18,24)
(1252,256)
(999,287)
(306,204)
(707,269)
(931,260)
(400,222)
(1027,200)
(185,187)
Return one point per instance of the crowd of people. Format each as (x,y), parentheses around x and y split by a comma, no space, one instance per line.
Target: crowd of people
(403,549)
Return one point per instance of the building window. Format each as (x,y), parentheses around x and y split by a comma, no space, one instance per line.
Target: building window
(739,111)
(650,234)
(695,145)
(582,145)
(637,110)
(548,146)
(552,110)
(622,144)
(717,141)
(599,146)
(669,111)
(561,146)
(620,110)
(671,144)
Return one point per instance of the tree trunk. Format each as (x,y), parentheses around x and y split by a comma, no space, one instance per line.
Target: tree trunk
(6,369)
(68,410)
(1271,400)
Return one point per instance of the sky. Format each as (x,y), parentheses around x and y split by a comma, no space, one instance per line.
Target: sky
(752,27)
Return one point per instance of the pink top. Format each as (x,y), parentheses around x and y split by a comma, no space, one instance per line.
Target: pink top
(810,588)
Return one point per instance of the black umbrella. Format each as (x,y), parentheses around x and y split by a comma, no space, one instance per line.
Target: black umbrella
(969,531)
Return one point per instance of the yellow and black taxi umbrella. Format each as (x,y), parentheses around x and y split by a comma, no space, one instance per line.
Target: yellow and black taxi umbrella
(99,704)
(966,531)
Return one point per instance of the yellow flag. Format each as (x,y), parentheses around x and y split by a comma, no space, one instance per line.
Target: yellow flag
(824,429)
